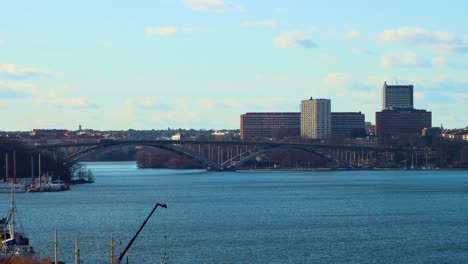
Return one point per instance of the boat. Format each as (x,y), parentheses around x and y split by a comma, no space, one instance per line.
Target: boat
(14,244)
(46,184)
(7,186)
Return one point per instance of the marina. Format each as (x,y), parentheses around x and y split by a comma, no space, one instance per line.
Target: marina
(254,216)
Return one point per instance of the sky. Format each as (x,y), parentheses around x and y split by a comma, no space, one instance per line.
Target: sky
(116,65)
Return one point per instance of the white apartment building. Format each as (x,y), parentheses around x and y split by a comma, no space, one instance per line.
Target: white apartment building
(316,118)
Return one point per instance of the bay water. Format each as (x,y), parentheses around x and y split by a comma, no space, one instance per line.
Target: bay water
(254,216)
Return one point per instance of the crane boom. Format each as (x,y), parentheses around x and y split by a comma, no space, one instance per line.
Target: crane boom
(138,232)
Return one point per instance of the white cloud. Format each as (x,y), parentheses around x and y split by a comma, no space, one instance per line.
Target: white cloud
(261,23)
(76,102)
(294,39)
(336,80)
(161,31)
(211,5)
(12,70)
(441,61)
(152,103)
(172,30)
(436,41)
(362,51)
(405,59)
(352,34)
(416,35)
(16,90)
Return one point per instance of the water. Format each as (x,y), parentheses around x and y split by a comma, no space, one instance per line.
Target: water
(255,217)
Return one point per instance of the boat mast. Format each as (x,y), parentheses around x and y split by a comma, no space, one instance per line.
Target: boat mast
(12,216)
(112,247)
(39,172)
(6,167)
(32,170)
(77,253)
(164,257)
(14,166)
(55,247)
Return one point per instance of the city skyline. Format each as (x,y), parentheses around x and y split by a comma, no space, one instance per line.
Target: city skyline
(202,63)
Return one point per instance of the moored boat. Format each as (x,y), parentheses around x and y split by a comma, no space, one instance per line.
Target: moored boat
(8,185)
(14,244)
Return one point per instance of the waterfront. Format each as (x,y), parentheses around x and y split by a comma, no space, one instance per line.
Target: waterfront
(256,216)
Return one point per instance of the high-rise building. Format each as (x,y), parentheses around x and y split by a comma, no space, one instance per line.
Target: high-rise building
(270,124)
(402,122)
(348,124)
(397,96)
(316,118)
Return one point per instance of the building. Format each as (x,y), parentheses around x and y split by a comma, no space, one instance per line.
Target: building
(456,134)
(397,96)
(316,118)
(402,122)
(51,133)
(270,125)
(370,129)
(432,131)
(348,124)
(177,136)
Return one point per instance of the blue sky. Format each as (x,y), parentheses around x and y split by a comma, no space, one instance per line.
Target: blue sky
(202,63)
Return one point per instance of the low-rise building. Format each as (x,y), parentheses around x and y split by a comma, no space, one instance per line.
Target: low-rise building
(270,125)
(348,124)
(460,134)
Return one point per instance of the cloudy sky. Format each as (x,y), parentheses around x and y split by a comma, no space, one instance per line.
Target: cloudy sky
(201,63)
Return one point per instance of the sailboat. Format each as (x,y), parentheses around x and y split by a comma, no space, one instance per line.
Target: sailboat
(7,185)
(13,244)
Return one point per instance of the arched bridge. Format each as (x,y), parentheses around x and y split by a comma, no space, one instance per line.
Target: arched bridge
(219,155)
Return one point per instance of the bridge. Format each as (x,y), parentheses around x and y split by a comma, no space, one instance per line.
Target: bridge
(221,155)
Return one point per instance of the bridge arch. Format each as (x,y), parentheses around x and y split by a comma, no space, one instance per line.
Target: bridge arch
(236,162)
(80,155)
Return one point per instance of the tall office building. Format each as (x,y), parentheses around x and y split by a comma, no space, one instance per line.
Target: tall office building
(270,125)
(397,96)
(316,118)
(402,122)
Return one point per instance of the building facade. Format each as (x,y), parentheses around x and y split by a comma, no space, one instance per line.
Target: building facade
(348,124)
(397,96)
(402,122)
(316,118)
(270,125)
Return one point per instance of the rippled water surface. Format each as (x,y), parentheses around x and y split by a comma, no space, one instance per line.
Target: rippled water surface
(255,217)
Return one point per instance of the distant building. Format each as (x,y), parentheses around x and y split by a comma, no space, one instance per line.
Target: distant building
(270,125)
(432,131)
(348,124)
(397,96)
(370,129)
(220,135)
(177,136)
(402,122)
(458,134)
(56,133)
(316,118)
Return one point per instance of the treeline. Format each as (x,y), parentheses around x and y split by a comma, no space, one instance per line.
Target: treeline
(124,153)
(24,162)
(435,150)
(148,157)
